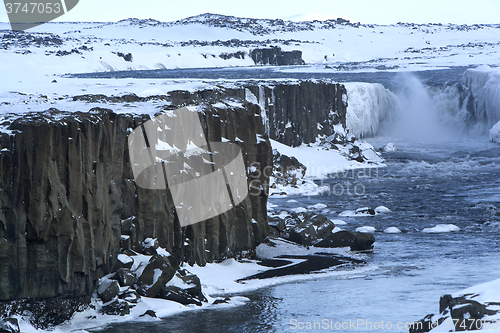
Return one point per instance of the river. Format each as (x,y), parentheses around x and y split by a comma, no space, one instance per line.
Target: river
(454,179)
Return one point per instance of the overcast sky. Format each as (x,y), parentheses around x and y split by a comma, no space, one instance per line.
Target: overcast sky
(364,11)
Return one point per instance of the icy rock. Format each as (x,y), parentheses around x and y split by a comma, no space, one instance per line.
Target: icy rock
(9,325)
(442,228)
(382,209)
(495,133)
(390,148)
(366,229)
(392,230)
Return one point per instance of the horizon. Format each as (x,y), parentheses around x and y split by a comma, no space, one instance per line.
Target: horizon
(381,12)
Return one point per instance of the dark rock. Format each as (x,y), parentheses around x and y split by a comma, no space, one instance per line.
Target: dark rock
(276,56)
(108,290)
(193,284)
(9,325)
(126,57)
(123,261)
(125,277)
(116,308)
(221,301)
(149,246)
(357,241)
(158,267)
(366,210)
(176,294)
(150,313)
(314,227)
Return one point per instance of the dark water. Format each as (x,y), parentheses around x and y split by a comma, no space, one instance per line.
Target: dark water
(442,76)
(452,181)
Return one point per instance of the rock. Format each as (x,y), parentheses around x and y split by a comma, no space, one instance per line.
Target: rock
(365,211)
(130,296)
(116,308)
(176,294)
(363,241)
(149,246)
(221,301)
(9,325)
(357,241)
(192,284)
(123,261)
(125,277)
(314,227)
(108,290)
(390,148)
(154,276)
(287,170)
(275,56)
(150,313)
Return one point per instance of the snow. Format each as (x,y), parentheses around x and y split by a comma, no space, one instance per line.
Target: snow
(366,229)
(125,259)
(441,228)
(392,230)
(382,210)
(495,133)
(318,206)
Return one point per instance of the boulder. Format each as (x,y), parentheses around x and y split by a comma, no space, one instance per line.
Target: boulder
(154,276)
(192,284)
(179,295)
(314,227)
(150,313)
(149,246)
(357,241)
(125,278)
(107,290)
(123,261)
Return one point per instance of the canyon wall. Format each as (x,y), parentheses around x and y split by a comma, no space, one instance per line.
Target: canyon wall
(68,195)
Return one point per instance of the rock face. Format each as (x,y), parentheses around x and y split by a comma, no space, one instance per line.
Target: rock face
(67,191)
(300,111)
(276,56)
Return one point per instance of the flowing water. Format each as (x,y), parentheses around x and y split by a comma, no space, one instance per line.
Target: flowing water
(450,179)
